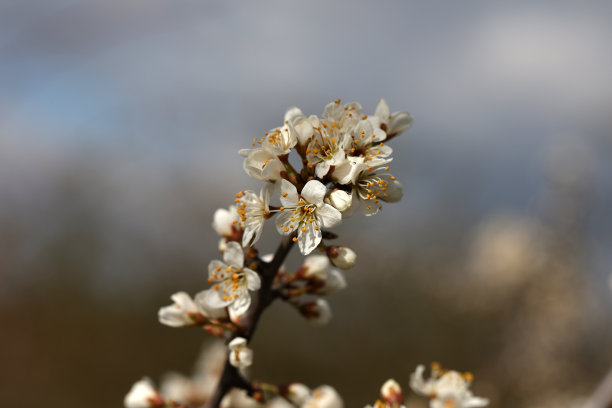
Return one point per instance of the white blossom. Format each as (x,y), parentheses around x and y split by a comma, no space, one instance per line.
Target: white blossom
(392,392)
(240,355)
(365,141)
(326,149)
(372,187)
(177,387)
(394,123)
(253,211)
(224,221)
(232,282)
(327,279)
(342,257)
(183,312)
(324,397)
(446,388)
(143,395)
(307,213)
(297,393)
(238,398)
(317,312)
(262,164)
(304,127)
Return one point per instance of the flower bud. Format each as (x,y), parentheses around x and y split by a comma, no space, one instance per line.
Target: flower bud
(317,312)
(224,221)
(183,312)
(315,266)
(342,257)
(143,395)
(240,355)
(324,396)
(340,199)
(296,393)
(392,392)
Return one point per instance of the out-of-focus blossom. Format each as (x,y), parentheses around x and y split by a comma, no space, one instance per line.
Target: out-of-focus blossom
(143,395)
(239,399)
(327,280)
(446,388)
(316,311)
(324,397)
(224,221)
(183,312)
(297,393)
(240,355)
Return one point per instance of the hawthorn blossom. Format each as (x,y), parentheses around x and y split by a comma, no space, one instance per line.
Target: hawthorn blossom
(183,312)
(143,395)
(304,126)
(224,221)
(240,355)
(280,140)
(366,141)
(324,396)
(394,123)
(232,282)
(262,164)
(446,388)
(373,187)
(307,213)
(253,211)
(326,148)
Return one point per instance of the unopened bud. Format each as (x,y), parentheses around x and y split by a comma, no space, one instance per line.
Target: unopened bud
(342,257)
(392,392)
(143,395)
(325,397)
(340,199)
(296,393)
(317,312)
(315,266)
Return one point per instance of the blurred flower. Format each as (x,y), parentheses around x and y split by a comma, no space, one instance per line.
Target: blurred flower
(323,396)
(232,283)
(297,393)
(316,311)
(224,221)
(240,355)
(307,213)
(143,395)
(446,388)
(325,279)
(392,392)
(183,312)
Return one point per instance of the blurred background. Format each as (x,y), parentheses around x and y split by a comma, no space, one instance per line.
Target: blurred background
(120,123)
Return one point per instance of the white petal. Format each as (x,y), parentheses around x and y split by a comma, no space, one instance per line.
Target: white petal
(253,280)
(328,216)
(213,266)
(348,171)
(174,316)
(283,221)
(212,299)
(184,301)
(233,254)
(292,113)
(308,240)
(314,192)
(224,219)
(322,168)
(382,111)
(241,303)
(316,266)
(291,197)
(394,190)
(141,394)
(476,402)
(205,309)
(399,122)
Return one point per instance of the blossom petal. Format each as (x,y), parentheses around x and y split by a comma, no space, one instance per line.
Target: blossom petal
(328,216)
(314,192)
(399,122)
(289,194)
(213,267)
(240,304)
(394,189)
(308,240)
(212,299)
(252,278)
(283,223)
(233,254)
(382,111)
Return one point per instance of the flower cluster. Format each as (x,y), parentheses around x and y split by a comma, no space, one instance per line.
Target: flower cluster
(344,169)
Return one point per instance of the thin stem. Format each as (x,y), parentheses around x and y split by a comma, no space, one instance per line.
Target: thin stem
(231,377)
